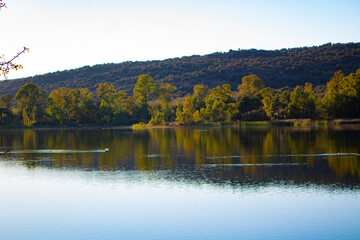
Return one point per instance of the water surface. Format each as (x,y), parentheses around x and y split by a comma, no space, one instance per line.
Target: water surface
(180,183)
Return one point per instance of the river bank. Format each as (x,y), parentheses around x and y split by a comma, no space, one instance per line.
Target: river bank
(285,122)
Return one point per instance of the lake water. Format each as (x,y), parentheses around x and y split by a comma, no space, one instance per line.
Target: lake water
(180,183)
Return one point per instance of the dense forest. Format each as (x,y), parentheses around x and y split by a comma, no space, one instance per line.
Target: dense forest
(277,69)
(153,103)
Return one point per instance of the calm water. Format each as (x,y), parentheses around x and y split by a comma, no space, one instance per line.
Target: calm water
(180,183)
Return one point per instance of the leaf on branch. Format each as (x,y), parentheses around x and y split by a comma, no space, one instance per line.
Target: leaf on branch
(6,66)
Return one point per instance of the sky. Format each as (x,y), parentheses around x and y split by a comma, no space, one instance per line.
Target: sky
(70,34)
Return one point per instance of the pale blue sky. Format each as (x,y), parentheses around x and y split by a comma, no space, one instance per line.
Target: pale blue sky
(70,34)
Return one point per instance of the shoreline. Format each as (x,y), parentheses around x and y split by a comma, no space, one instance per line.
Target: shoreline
(285,122)
(65,127)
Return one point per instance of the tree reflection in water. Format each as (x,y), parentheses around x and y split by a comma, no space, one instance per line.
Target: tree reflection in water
(228,155)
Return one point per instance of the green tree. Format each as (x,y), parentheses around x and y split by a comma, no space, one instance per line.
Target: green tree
(249,97)
(114,105)
(302,102)
(219,111)
(220,105)
(87,106)
(342,96)
(333,99)
(158,119)
(284,100)
(122,108)
(29,103)
(269,101)
(107,95)
(193,110)
(71,105)
(6,115)
(200,94)
(161,112)
(143,88)
(184,114)
(246,104)
(5,101)
(250,85)
(163,92)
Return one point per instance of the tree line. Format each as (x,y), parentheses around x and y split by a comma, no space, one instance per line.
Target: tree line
(153,103)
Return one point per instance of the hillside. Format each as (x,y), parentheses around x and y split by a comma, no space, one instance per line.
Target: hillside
(278,68)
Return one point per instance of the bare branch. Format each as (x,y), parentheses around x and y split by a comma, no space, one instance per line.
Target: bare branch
(2,4)
(6,66)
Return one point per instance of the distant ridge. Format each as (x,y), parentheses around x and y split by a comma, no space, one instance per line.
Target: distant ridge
(277,68)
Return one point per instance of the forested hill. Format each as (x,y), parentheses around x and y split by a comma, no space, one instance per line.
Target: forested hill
(279,68)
